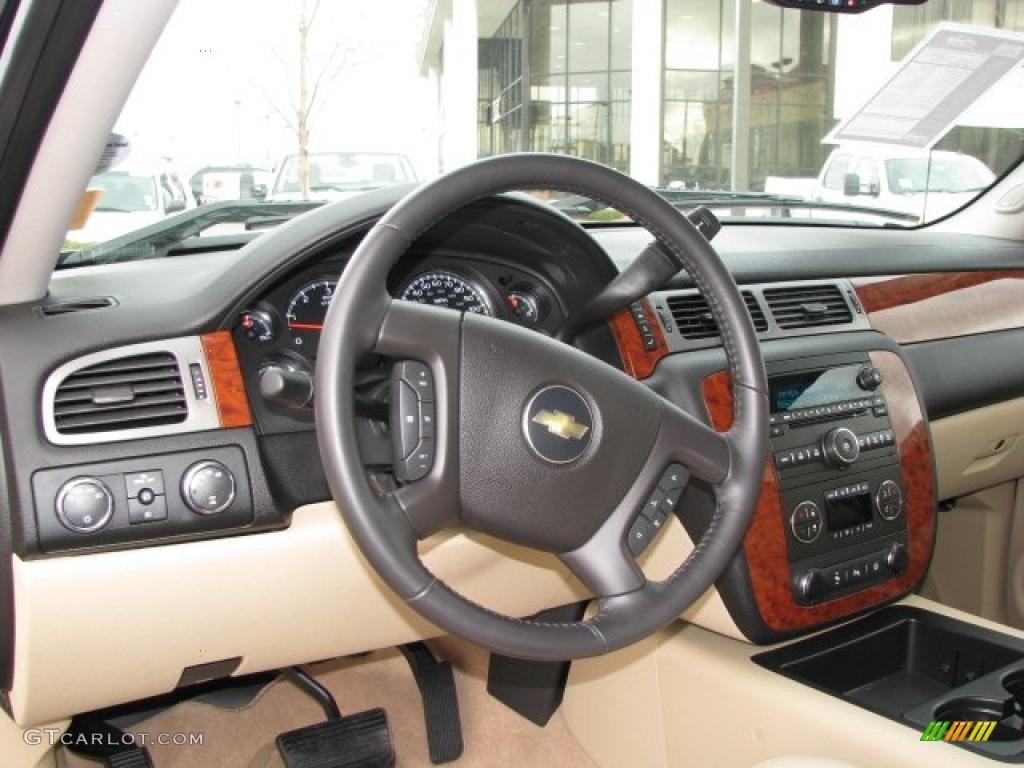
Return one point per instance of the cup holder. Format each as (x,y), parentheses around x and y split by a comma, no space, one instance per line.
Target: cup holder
(1013,683)
(975,708)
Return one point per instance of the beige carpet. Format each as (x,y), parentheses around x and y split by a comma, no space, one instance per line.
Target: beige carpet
(244,738)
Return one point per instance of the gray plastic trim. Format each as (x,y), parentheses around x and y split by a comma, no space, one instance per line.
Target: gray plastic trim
(187,350)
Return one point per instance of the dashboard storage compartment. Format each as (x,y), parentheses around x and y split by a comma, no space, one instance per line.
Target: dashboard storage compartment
(917,667)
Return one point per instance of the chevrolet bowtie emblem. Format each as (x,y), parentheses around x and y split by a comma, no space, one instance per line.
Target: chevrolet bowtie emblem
(561,425)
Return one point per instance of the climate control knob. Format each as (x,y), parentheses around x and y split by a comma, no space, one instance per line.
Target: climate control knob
(810,585)
(208,487)
(840,447)
(85,504)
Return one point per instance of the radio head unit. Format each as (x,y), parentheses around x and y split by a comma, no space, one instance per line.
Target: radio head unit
(839,479)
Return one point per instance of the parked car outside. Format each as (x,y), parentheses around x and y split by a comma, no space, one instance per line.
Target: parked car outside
(882,176)
(337,175)
(132,195)
(242,181)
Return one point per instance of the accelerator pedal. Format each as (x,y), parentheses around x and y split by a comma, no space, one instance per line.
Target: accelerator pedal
(436,682)
(362,740)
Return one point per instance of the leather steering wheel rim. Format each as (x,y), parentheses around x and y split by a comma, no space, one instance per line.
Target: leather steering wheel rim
(466,355)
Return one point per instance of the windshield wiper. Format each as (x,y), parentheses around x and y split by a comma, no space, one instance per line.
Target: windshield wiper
(156,239)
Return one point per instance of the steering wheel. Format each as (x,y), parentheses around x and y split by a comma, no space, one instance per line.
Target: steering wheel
(534,441)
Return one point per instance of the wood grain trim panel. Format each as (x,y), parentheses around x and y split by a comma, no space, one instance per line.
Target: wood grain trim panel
(227,383)
(922,307)
(638,361)
(765,545)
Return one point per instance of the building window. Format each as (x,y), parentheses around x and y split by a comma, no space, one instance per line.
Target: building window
(791,93)
(575,56)
(696,121)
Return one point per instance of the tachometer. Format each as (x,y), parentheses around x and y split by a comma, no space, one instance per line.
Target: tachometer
(444,289)
(307,310)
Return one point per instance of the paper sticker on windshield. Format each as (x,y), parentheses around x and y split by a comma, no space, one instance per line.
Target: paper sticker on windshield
(936,83)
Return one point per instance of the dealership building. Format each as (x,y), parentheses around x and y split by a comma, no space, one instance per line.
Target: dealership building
(706,94)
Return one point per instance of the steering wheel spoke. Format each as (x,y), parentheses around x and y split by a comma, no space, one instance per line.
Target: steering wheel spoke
(705,453)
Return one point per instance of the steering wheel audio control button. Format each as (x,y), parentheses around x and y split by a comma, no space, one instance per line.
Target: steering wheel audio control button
(405,422)
(208,487)
(418,376)
(418,465)
(413,420)
(640,535)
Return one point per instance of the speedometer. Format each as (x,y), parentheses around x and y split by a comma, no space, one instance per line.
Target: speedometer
(444,289)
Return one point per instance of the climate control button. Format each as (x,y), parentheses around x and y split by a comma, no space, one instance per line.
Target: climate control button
(805,522)
(889,500)
(208,487)
(85,504)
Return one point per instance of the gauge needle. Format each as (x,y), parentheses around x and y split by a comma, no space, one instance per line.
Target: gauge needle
(306,326)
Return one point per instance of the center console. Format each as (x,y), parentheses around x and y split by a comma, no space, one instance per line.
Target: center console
(839,477)
(845,520)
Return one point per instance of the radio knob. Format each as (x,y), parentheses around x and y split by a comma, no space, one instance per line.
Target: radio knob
(840,447)
(897,558)
(811,585)
(869,378)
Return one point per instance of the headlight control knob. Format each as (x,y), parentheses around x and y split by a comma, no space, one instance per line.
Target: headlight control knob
(84,504)
(208,487)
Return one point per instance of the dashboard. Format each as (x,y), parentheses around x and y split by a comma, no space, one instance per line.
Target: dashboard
(228,316)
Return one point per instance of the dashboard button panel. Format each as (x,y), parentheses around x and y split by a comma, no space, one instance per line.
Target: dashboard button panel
(138,499)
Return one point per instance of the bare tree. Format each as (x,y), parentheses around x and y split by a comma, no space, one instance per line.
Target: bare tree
(314,81)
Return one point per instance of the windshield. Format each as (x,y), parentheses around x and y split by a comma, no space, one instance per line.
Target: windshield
(937,174)
(124,193)
(890,118)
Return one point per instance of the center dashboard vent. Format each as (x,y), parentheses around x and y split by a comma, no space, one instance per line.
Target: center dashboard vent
(127,393)
(807,306)
(694,319)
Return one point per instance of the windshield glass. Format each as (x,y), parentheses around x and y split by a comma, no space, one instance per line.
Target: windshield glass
(954,174)
(261,108)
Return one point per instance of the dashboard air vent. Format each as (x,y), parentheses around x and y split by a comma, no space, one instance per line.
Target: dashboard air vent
(126,393)
(808,306)
(694,320)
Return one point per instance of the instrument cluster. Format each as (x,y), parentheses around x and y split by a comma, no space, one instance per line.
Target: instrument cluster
(286,324)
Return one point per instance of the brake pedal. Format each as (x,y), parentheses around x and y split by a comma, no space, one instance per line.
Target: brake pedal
(362,740)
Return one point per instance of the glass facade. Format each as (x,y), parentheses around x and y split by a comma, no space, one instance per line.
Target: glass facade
(556,78)
(791,83)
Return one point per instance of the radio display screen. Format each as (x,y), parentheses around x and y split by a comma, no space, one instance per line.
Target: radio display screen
(807,390)
(848,512)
